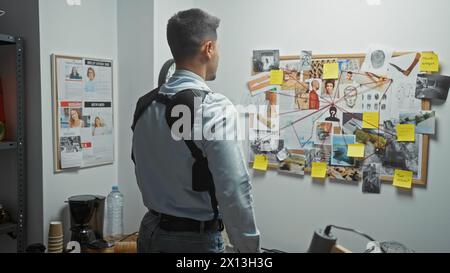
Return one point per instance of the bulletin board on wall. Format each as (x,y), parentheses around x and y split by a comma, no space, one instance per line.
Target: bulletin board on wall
(341,113)
(83,116)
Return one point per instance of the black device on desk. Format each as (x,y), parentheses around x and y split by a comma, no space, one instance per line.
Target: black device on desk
(323,241)
(86,219)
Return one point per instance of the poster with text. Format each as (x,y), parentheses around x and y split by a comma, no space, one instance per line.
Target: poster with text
(84,122)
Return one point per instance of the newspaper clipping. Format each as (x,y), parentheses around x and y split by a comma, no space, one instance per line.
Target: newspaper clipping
(84,94)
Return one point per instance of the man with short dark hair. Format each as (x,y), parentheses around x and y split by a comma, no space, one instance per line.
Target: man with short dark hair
(186,213)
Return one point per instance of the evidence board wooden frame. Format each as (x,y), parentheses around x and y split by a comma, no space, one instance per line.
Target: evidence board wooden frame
(55,113)
(426,105)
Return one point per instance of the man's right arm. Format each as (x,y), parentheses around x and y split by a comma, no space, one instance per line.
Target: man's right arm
(232,181)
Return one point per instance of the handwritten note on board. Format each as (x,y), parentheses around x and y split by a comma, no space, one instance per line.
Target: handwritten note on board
(403,179)
(429,62)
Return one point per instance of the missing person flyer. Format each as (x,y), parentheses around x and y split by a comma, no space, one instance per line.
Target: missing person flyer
(86,126)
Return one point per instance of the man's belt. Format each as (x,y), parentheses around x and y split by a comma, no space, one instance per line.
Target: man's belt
(173,223)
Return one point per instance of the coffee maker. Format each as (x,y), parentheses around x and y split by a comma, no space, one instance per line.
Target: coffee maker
(86,218)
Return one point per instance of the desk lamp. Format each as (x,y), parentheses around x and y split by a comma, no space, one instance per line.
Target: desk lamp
(323,240)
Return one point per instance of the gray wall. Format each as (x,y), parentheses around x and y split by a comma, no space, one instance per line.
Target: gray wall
(22,19)
(89,30)
(135,36)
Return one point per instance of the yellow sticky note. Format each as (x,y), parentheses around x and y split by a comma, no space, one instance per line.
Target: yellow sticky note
(429,62)
(261,163)
(403,179)
(371,120)
(330,71)
(276,77)
(356,150)
(406,132)
(319,170)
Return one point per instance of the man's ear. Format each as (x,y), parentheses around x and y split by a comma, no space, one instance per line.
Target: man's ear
(208,49)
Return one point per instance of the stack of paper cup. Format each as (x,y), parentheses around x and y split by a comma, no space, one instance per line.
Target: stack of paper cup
(55,238)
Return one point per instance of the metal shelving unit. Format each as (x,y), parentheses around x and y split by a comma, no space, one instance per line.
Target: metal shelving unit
(17,230)
(8,228)
(8,145)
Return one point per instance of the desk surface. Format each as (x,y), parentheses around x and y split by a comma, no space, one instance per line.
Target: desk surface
(126,244)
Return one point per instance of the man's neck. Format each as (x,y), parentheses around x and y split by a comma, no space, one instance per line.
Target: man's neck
(199,70)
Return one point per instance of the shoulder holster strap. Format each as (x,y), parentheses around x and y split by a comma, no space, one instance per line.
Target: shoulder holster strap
(202,180)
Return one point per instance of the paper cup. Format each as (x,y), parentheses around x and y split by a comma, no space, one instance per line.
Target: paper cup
(55,246)
(55,249)
(55,230)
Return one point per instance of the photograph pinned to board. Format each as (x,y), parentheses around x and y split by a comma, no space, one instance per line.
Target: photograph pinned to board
(71,152)
(340,150)
(266,116)
(410,68)
(313,155)
(294,164)
(262,141)
(98,81)
(70,79)
(83,109)
(305,60)
(323,133)
(323,153)
(351,122)
(345,174)
(292,76)
(317,67)
(425,121)
(266,60)
(99,135)
(71,115)
(349,65)
(283,154)
(333,115)
(401,155)
(352,98)
(329,90)
(260,83)
(315,85)
(377,60)
(403,72)
(371,178)
(432,86)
